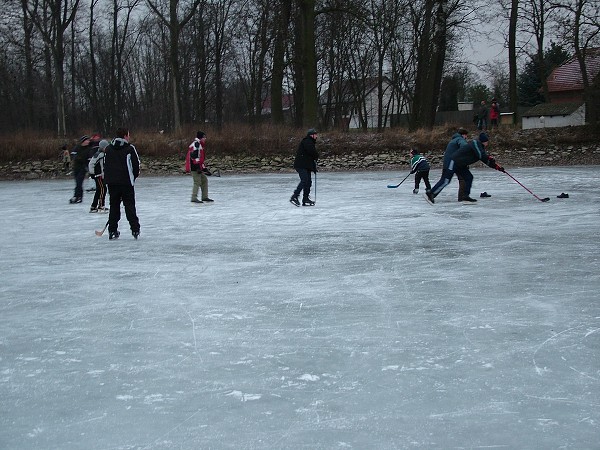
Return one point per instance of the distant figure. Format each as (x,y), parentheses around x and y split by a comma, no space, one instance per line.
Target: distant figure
(494,114)
(483,117)
(66,159)
(121,169)
(79,156)
(96,170)
(420,167)
(458,162)
(305,163)
(194,162)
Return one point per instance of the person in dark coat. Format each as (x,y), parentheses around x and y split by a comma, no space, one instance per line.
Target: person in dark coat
(121,169)
(458,162)
(305,163)
(459,138)
(79,156)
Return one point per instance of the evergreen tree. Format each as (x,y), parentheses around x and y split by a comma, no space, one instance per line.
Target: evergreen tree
(529,83)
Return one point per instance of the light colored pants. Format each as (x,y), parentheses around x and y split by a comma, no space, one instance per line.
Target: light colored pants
(200,182)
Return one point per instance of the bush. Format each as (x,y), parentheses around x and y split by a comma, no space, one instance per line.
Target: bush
(270,140)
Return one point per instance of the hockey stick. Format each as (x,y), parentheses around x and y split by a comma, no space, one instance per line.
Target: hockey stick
(396,185)
(101,232)
(547,199)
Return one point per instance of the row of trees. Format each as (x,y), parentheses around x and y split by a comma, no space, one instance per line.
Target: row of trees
(69,64)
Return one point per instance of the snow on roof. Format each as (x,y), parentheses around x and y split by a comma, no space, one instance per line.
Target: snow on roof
(552,109)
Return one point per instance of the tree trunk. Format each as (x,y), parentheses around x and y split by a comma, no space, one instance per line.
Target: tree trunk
(512,60)
(282,21)
(309,64)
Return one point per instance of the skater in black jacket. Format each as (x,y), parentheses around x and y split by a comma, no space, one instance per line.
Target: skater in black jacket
(121,169)
(458,162)
(305,163)
(79,156)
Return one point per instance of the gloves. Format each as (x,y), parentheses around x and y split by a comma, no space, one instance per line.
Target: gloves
(500,168)
(491,162)
(207,172)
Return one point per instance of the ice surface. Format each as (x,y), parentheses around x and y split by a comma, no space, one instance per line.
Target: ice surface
(372,320)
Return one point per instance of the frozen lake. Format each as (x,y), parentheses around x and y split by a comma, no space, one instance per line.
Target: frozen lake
(372,320)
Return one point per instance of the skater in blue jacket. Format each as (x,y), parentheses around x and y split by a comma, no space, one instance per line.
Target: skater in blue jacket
(458,162)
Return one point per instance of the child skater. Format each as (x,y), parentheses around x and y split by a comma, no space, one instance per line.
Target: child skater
(420,167)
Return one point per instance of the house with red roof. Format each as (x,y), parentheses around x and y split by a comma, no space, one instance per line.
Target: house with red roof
(566,103)
(565,83)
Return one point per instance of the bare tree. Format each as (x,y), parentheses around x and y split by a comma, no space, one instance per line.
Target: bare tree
(513,98)
(433,22)
(535,17)
(175,26)
(52,18)
(254,44)
(308,62)
(281,24)
(580,21)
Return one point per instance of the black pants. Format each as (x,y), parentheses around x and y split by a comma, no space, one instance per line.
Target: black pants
(126,194)
(305,183)
(422,175)
(100,193)
(79,176)
(462,172)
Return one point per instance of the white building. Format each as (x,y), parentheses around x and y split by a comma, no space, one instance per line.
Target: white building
(551,115)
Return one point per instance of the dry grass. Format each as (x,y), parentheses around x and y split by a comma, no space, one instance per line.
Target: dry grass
(269,140)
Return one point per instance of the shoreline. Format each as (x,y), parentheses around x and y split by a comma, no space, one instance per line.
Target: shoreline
(385,160)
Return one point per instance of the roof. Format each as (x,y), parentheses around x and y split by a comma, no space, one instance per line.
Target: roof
(287,101)
(567,77)
(552,109)
(348,86)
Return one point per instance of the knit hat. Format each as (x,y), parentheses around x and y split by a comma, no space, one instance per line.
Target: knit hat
(103,144)
(483,137)
(200,134)
(83,138)
(311,132)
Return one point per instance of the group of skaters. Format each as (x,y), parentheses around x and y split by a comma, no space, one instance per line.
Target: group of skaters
(459,154)
(114,166)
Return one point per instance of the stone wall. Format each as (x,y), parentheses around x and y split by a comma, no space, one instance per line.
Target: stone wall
(551,155)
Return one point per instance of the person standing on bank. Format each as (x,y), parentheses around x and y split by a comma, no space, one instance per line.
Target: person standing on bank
(305,163)
(121,169)
(195,164)
(494,115)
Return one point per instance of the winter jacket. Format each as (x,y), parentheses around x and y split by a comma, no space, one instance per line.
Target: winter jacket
(472,152)
(306,155)
(96,164)
(121,163)
(195,157)
(419,163)
(494,111)
(454,144)
(483,113)
(79,156)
